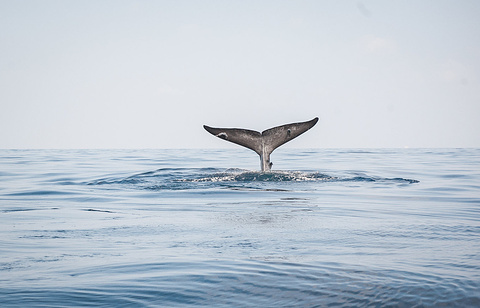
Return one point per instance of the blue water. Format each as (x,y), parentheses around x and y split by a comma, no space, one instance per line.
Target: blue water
(168,228)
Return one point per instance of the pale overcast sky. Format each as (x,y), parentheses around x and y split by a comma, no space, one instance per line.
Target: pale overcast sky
(149,74)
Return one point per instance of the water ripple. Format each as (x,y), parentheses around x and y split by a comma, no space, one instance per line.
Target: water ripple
(251,283)
(206,178)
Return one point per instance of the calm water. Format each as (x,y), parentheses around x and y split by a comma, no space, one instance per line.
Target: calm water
(204,228)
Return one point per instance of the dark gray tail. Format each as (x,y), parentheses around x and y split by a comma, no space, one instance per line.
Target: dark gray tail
(263,143)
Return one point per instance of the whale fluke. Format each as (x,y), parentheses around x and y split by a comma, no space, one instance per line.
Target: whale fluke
(262,143)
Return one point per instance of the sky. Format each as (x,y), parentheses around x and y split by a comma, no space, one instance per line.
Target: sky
(149,74)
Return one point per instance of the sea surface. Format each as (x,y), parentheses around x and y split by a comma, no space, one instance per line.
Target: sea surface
(189,228)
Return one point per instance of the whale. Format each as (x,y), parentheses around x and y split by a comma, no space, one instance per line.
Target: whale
(263,143)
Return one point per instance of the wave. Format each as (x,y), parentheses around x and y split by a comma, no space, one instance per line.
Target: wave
(224,283)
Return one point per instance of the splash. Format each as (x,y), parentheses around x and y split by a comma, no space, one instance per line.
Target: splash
(239,175)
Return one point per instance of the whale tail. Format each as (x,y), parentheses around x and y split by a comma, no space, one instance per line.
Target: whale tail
(262,143)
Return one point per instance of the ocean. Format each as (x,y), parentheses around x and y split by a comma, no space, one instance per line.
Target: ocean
(190,228)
